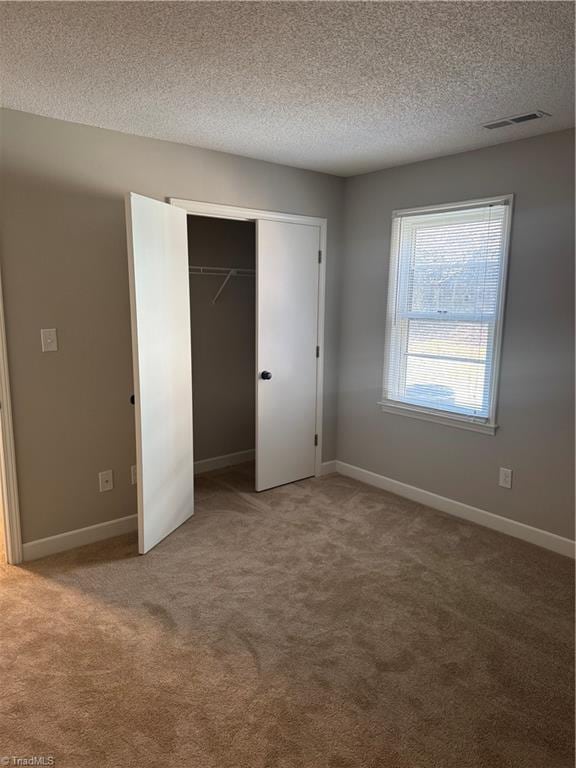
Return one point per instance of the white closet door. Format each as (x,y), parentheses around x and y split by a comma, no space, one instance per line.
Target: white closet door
(160,308)
(287,335)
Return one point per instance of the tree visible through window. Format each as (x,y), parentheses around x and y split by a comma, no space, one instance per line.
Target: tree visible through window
(447,270)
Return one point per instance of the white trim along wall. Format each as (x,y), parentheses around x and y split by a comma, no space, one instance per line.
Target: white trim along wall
(481,517)
(64,541)
(79,537)
(219,462)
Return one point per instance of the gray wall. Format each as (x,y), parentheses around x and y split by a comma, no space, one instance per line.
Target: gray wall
(223,337)
(64,266)
(536,401)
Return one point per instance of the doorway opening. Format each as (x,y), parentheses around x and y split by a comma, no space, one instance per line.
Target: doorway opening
(10,529)
(222,267)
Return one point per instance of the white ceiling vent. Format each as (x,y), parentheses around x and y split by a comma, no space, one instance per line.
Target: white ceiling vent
(517,119)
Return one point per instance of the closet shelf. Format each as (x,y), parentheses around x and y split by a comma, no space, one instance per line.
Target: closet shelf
(228,272)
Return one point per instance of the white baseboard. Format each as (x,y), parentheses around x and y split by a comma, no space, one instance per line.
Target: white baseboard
(71,539)
(218,462)
(81,536)
(522,531)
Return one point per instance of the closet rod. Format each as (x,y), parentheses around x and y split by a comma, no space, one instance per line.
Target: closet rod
(227,271)
(236,271)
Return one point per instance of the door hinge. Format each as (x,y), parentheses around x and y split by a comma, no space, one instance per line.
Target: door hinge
(319,257)
(315,439)
(317,351)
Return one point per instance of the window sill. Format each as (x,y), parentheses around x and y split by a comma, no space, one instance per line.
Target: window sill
(447,420)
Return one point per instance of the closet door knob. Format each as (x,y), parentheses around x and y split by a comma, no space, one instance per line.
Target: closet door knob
(266,375)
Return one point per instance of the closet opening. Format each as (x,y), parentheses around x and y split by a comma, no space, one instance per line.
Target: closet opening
(222,276)
(227,310)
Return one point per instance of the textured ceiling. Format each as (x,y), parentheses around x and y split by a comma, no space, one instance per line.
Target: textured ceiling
(333,86)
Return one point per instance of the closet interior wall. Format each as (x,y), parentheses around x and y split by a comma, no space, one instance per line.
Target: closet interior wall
(223,337)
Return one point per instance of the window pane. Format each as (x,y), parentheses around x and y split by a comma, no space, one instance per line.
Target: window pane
(469,340)
(445,385)
(455,265)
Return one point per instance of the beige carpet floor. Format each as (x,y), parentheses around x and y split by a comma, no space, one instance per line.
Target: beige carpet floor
(324,624)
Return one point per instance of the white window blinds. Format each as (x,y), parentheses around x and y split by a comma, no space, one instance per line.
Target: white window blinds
(447,272)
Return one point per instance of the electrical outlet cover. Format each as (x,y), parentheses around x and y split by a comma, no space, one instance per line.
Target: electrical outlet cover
(505,478)
(49,338)
(105,480)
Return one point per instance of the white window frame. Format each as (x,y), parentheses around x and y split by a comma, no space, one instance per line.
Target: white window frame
(485,425)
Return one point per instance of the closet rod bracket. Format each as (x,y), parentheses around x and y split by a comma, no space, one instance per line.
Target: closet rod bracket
(228,276)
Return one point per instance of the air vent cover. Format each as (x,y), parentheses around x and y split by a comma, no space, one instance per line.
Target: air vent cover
(498,124)
(517,119)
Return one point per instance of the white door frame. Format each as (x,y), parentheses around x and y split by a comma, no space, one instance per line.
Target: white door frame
(215,210)
(8,479)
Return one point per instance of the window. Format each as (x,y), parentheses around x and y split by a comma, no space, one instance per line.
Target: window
(445,309)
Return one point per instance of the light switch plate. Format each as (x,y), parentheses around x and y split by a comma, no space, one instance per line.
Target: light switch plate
(133,475)
(49,338)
